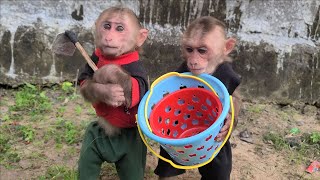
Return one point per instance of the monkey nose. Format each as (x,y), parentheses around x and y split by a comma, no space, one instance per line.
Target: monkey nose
(193,64)
(107,38)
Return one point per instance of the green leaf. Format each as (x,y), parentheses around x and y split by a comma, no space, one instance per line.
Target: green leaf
(30,86)
(43,94)
(315,137)
(67,86)
(295,131)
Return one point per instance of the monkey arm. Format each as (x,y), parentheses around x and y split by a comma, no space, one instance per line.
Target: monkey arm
(125,81)
(126,84)
(110,94)
(86,90)
(135,93)
(232,81)
(237,102)
(236,98)
(139,81)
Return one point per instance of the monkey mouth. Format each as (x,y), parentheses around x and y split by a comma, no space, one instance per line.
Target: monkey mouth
(109,47)
(196,70)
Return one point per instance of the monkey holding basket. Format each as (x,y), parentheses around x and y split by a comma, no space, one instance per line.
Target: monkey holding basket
(205,49)
(115,91)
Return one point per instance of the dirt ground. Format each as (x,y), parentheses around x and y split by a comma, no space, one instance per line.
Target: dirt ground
(253,156)
(258,159)
(255,159)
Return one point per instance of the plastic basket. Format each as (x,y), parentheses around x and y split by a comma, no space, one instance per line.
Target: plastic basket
(184,113)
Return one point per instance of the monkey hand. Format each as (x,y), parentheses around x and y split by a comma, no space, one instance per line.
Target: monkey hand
(225,129)
(114,74)
(111,94)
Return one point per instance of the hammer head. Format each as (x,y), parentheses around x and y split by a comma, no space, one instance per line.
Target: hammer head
(62,45)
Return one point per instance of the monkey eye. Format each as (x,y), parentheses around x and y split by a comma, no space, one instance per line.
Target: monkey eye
(106,26)
(189,49)
(202,50)
(120,28)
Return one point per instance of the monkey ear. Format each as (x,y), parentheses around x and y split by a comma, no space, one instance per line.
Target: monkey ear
(230,43)
(142,36)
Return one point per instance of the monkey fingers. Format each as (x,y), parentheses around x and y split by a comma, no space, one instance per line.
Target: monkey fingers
(113,94)
(115,101)
(224,130)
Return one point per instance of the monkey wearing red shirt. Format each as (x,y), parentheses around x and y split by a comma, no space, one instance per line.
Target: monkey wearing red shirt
(115,91)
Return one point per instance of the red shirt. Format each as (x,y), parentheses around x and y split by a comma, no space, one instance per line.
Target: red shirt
(119,116)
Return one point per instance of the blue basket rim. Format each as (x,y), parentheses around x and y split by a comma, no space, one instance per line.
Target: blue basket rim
(188,140)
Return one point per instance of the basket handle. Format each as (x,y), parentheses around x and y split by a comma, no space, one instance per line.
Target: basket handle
(198,165)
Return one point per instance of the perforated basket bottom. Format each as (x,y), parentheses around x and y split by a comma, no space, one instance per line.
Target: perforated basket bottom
(185,113)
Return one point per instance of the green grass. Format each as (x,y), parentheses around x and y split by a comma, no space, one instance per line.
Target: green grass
(33,116)
(308,148)
(278,141)
(256,109)
(8,155)
(32,100)
(59,172)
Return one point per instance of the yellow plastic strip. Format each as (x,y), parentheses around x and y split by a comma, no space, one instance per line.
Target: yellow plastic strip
(198,165)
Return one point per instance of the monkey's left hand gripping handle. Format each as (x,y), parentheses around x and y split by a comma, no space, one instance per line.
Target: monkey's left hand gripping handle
(73,38)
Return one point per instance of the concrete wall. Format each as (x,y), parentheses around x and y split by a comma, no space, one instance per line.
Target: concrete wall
(277,53)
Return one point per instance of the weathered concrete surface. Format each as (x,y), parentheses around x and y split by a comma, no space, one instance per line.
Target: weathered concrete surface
(277,53)
(296,79)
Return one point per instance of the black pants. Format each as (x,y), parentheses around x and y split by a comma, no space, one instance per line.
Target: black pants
(218,169)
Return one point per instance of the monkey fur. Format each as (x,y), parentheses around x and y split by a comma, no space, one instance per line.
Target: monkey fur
(92,90)
(108,128)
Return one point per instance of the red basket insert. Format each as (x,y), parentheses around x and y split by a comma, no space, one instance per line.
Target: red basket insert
(185,113)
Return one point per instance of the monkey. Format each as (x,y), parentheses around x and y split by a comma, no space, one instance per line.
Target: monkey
(114,90)
(205,48)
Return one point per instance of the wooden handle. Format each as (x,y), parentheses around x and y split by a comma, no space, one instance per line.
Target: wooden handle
(86,56)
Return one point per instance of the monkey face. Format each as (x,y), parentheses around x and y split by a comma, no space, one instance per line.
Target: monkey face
(203,52)
(116,34)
